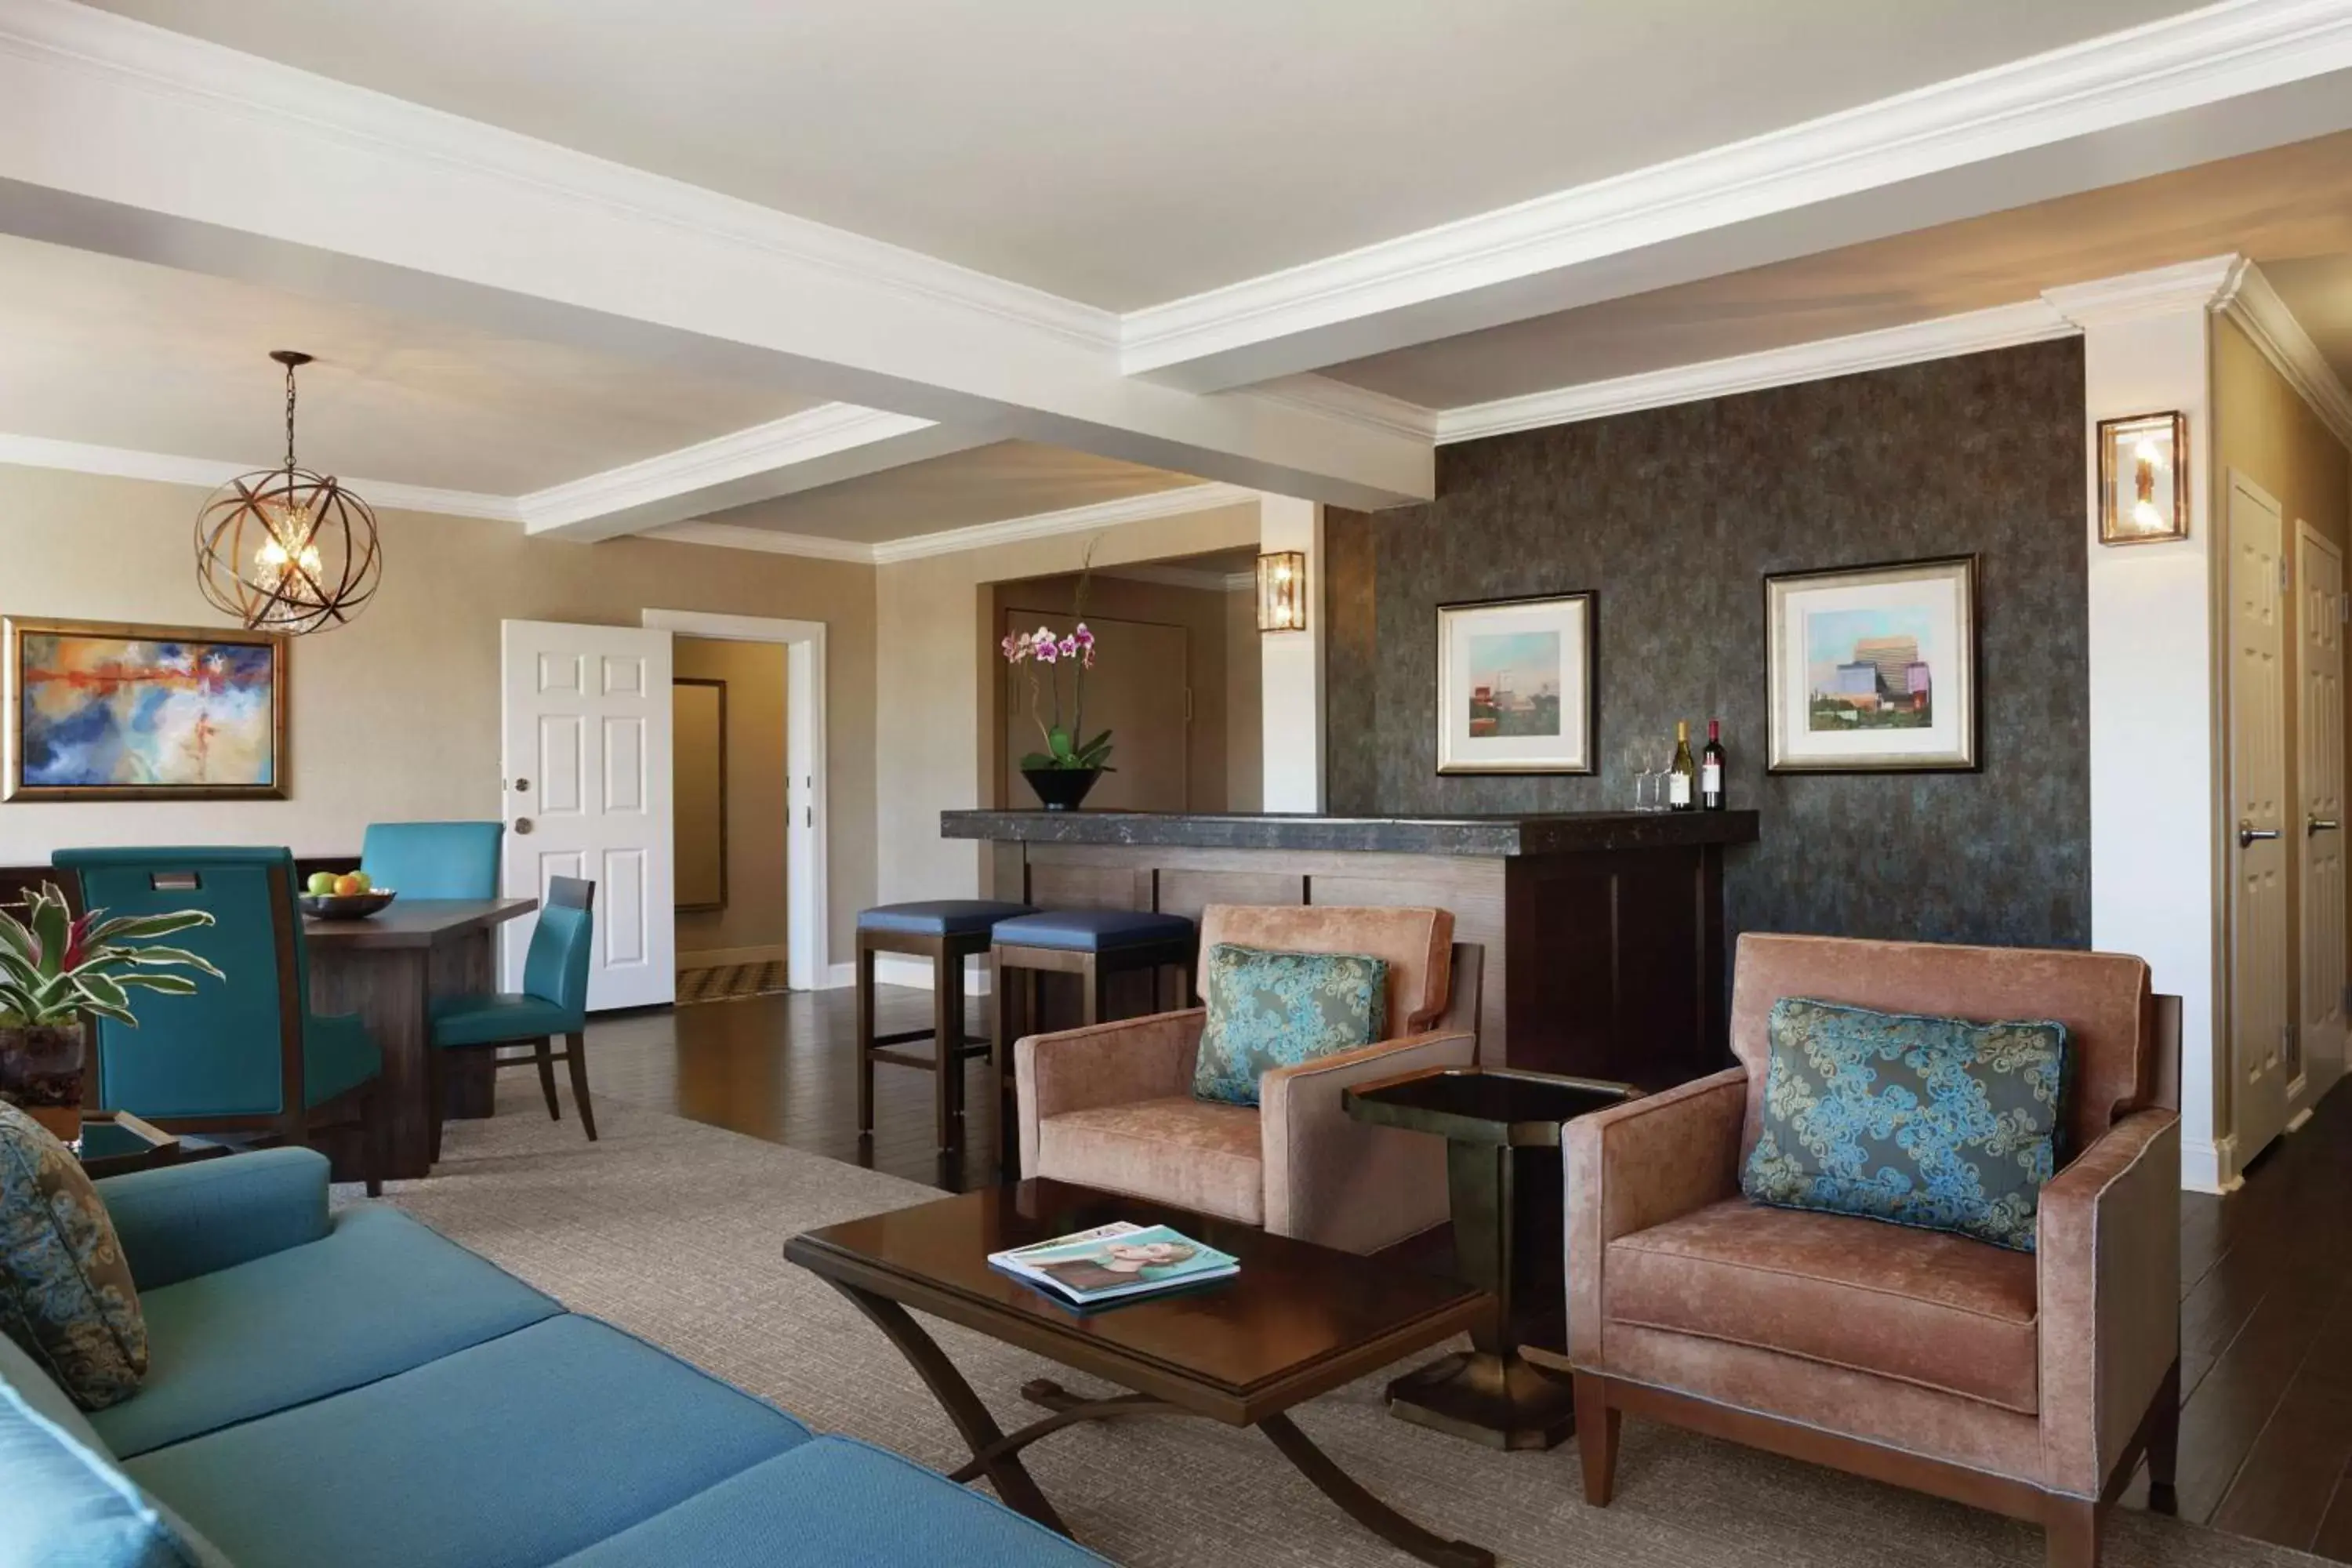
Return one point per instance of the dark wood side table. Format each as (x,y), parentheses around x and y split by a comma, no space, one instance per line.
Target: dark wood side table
(1297,1320)
(115,1143)
(1501,1129)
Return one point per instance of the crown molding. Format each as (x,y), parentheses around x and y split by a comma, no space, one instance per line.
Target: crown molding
(2206,284)
(2003,326)
(2265,318)
(734,536)
(206,473)
(1182,577)
(2165,67)
(1343,400)
(1074,519)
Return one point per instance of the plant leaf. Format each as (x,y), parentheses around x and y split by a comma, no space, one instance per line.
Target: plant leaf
(1037,760)
(51,926)
(145,927)
(156,957)
(14,939)
(120,1014)
(101,991)
(168,985)
(1058,740)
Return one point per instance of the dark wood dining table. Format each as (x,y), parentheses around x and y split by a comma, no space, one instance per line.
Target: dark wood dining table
(388,969)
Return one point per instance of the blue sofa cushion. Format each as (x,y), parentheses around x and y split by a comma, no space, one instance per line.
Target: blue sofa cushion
(518,1451)
(836,1503)
(66,1294)
(1092,931)
(379,1295)
(179,1221)
(940,917)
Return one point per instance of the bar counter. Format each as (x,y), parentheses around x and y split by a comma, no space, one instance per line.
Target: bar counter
(1603,930)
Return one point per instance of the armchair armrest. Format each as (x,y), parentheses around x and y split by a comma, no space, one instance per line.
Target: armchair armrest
(2107,1252)
(1104,1064)
(179,1221)
(1332,1179)
(1639,1165)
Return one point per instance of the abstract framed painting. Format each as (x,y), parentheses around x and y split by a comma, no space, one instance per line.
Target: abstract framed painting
(1873,669)
(1515,683)
(97,710)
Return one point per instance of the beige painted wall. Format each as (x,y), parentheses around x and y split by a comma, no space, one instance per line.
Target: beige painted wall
(2264,430)
(396,716)
(757,897)
(935,672)
(1244,705)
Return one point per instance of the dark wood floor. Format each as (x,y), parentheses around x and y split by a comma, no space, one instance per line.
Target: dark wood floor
(2266,1274)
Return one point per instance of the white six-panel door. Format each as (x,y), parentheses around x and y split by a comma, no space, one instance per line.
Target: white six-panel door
(587,769)
(2318,1055)
(2262,1011)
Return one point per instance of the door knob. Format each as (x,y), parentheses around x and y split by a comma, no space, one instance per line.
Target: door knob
(522,824)
(2249,834)
(2321,825)
(521,786)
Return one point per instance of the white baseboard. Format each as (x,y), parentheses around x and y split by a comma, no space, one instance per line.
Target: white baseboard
(840,975)
(718,957)
(2209,1167)
(899,969)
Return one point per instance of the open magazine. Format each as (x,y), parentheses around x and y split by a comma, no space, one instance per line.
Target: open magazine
(1115,1262)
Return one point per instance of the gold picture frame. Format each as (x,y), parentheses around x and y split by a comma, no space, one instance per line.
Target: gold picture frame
(2153,448)
(1873,669)
(85,698)
(1515,685)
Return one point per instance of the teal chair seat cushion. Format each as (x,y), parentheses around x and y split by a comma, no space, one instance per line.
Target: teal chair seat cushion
(337,1056)
(836,1503)
(509,1016)
(523,1449)
(379,1295)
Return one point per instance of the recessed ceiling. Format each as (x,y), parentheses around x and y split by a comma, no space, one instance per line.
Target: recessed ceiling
(2317,291)
(119,354)
(1129,155)
(986,484)
(2277,207)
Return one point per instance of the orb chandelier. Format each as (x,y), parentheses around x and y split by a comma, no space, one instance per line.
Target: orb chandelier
(288,550)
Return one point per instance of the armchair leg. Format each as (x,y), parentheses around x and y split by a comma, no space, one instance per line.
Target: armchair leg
(543,1056)
(576,1050)
(1597,1426)
(2164,1444)
(2070,1532)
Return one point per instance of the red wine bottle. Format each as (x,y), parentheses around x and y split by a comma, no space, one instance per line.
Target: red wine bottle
(1710,768)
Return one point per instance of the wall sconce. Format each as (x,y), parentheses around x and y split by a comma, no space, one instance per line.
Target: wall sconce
(1281,592)
(2142,479)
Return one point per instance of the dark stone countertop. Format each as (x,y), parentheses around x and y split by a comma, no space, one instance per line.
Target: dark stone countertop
(1564,833)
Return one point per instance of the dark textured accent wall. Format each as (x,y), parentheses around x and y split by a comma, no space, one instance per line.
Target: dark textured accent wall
(1672,516)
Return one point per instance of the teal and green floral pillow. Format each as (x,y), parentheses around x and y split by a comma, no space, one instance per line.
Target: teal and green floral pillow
(66,1295)
(1932,1122)
(1269,1010)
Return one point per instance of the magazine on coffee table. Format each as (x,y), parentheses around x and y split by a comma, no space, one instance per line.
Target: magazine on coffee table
(1115,1262)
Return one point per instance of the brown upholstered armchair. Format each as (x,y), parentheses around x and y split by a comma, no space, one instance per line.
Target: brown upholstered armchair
(2028,1383)
(1111,1105)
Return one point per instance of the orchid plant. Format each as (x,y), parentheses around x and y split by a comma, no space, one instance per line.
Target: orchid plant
(56,965)
(1045,654)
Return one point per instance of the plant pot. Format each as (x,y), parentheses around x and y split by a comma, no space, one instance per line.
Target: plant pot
(41,1073)
(1061,789)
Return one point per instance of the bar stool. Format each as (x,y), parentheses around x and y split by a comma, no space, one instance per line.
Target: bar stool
(946,931)
(1094,945)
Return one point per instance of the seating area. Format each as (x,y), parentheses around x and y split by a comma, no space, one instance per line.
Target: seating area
(840,786)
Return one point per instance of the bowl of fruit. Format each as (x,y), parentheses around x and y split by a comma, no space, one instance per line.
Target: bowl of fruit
(343,896)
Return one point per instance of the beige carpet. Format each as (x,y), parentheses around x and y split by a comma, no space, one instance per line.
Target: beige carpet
(674,1231)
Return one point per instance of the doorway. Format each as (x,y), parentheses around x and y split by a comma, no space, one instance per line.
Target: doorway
(733,801)
(2262,1012)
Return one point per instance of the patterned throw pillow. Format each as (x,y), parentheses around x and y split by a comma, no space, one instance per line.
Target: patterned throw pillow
(66,1295)
(1270,1010)
(1931,1122)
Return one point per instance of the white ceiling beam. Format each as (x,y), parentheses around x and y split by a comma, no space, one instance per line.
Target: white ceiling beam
(134,140)
(2229,79)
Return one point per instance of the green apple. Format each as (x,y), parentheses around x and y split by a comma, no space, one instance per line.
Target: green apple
(366,886)
(322,884)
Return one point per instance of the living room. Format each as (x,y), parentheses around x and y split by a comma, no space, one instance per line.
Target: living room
(1643,769)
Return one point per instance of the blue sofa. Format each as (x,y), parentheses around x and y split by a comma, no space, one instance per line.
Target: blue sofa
(357,1391)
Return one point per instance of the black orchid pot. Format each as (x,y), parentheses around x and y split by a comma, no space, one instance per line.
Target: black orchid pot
(1061,789)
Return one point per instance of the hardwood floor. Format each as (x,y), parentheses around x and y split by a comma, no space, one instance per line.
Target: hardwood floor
(2267,1273)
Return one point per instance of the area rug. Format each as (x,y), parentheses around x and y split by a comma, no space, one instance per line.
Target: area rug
(729,981)
(674,1231)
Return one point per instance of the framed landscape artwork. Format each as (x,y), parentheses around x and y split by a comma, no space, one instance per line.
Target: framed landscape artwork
(1873,669)
(1515,686)
(99,712)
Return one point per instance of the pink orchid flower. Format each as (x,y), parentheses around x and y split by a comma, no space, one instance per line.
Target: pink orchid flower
(1015,647)
(1069,648)
(1043,646)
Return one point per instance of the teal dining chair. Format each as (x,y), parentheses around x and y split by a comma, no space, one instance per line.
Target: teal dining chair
(243,1054)
(553,1001)
(434,860)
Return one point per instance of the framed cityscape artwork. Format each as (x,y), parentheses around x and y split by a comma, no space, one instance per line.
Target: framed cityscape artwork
(1515,686)
(100,711)
(1873,669)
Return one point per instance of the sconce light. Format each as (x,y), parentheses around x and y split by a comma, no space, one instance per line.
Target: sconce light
(1281,592)
(2142,479)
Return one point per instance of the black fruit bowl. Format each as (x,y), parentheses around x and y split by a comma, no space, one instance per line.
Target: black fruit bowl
(337,907)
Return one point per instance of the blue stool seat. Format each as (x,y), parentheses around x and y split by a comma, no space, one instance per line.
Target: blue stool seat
(940,917)
(1092,931)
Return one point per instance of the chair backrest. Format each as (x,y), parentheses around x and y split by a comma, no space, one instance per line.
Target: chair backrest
(1417,943)
(434,860)
(2103,998)
(556,968)
(233,1049)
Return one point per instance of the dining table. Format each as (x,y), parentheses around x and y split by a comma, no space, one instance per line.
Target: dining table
(390,968)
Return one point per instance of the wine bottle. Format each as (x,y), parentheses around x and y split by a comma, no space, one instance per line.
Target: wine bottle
(1710,768)
(1682,776)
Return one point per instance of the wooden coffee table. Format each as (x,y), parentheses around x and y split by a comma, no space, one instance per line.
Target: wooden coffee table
(1300,1321)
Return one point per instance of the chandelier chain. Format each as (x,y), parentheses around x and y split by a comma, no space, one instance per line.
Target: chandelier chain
(289,418)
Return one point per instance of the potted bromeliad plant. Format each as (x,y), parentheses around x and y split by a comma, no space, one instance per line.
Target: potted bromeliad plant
(55,969)
(1068,768)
